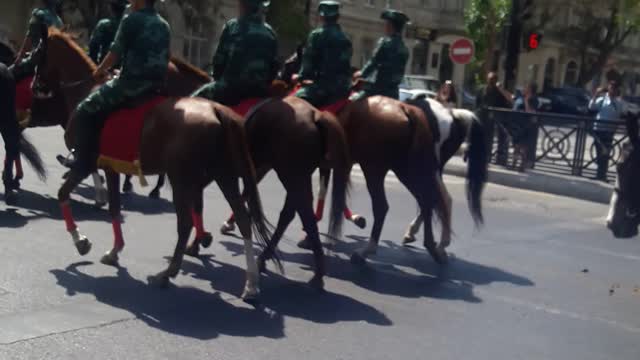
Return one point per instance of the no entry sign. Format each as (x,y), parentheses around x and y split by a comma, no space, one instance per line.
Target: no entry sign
(461,51)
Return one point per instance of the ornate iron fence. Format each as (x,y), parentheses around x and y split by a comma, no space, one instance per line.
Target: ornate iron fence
(556,143)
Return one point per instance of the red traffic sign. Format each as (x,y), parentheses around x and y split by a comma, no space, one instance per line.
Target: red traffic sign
(461,51)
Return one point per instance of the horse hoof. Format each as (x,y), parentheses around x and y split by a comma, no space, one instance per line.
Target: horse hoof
(66,175)
(110,260)
(159,281)
(305,244)
(227,228)
(359,221)
(155,194)
(408,239)
(439,255)
(193,250)
(316,283)
(251,300)
(83,246)
(100,204)
(205,240)
(10,197)
(358,260)
(127,188)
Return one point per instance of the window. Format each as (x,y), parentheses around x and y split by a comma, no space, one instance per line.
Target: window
(571,74)
(549,74)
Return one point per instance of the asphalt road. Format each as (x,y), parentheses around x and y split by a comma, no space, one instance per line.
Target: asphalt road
(543,280)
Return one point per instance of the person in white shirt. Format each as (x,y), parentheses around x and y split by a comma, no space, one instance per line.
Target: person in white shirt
(610,107)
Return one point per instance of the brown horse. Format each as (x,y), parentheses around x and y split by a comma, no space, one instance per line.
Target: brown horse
(193,141)
(385,134)
(293,138)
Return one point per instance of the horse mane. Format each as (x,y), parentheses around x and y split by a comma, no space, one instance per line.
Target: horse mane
(70,41)
(184,66)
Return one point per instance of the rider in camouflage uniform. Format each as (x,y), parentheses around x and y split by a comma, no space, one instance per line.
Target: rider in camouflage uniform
(245,62)
(105,31)
(44,15)
(326,61)
(389,59)
(142,42)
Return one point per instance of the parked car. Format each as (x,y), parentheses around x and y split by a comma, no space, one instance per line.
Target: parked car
(568,100)
(421,84)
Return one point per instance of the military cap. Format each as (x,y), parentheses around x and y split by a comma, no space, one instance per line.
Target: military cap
(329,8)
(397,18)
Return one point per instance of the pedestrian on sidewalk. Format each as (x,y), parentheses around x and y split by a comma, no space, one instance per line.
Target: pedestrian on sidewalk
(447,95)
(493,95)
(525,137)
(610,107)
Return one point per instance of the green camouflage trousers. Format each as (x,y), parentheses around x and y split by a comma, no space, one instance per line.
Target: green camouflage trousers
(93,112)
(319,96)
(221,93)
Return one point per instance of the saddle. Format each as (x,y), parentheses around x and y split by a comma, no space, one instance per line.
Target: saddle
(120,138)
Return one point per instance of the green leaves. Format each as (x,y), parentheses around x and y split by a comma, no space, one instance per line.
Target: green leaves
(484,20)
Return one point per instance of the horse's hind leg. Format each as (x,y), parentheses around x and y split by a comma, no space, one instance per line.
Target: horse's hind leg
(127,187)
(83,245)
(414,227)
(325,175)
(286,216)
(101,193)
(300,190)
(230,224)
(113,187)
(375,184)
(203,237)
(231,191)
(183,199)
(155,193)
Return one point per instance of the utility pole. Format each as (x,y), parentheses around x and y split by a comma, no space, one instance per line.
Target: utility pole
(514,39)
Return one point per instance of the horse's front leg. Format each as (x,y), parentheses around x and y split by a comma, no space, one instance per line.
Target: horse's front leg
(113,187)
(82,243)
(101,192)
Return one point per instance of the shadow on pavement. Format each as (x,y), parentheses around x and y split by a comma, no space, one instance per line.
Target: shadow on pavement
(132,202)
(183,311)
(286,297)
(405,272)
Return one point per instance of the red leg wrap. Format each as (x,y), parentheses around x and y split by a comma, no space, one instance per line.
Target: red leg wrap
(320,209)
(198,224)
(232,218)
(347,213)
(68,217)
(118,239)
(19,172)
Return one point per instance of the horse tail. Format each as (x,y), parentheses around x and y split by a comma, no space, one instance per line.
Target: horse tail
(33,157)
(424,148)
(237,146)
(477,167)
(340,163)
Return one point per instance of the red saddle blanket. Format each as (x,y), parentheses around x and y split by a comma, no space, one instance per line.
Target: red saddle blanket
(245,106)
(24,96)
(121,135)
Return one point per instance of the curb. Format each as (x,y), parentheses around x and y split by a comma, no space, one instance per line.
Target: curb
(568,186)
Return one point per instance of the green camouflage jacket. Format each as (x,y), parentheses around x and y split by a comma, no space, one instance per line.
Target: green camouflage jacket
(388,64)
(246,54)
(102,38)
(327,59)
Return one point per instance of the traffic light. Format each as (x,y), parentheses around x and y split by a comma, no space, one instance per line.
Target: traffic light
(527,10)
(533,40)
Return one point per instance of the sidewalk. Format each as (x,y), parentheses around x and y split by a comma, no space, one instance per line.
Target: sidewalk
(533,180)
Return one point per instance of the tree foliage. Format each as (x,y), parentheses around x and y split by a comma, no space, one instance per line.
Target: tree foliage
(484,21)
(601,29)
(288,19)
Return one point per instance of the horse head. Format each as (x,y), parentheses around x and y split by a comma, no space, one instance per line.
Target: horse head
(624,211)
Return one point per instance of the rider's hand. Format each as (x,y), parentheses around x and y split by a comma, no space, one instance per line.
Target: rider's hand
(357,75)
(295,78)
(307,82)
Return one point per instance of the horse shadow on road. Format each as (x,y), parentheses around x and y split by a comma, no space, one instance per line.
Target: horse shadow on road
(32,206)
(286,297)
(132,202)
(183,311)
(404,272)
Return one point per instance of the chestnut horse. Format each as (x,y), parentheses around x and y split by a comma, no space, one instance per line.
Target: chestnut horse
(193,141)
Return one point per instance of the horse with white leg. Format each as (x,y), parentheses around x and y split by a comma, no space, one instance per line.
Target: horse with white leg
(193,141)
(453,128)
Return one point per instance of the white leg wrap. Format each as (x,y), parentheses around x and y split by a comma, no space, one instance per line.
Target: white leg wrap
(251,288)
